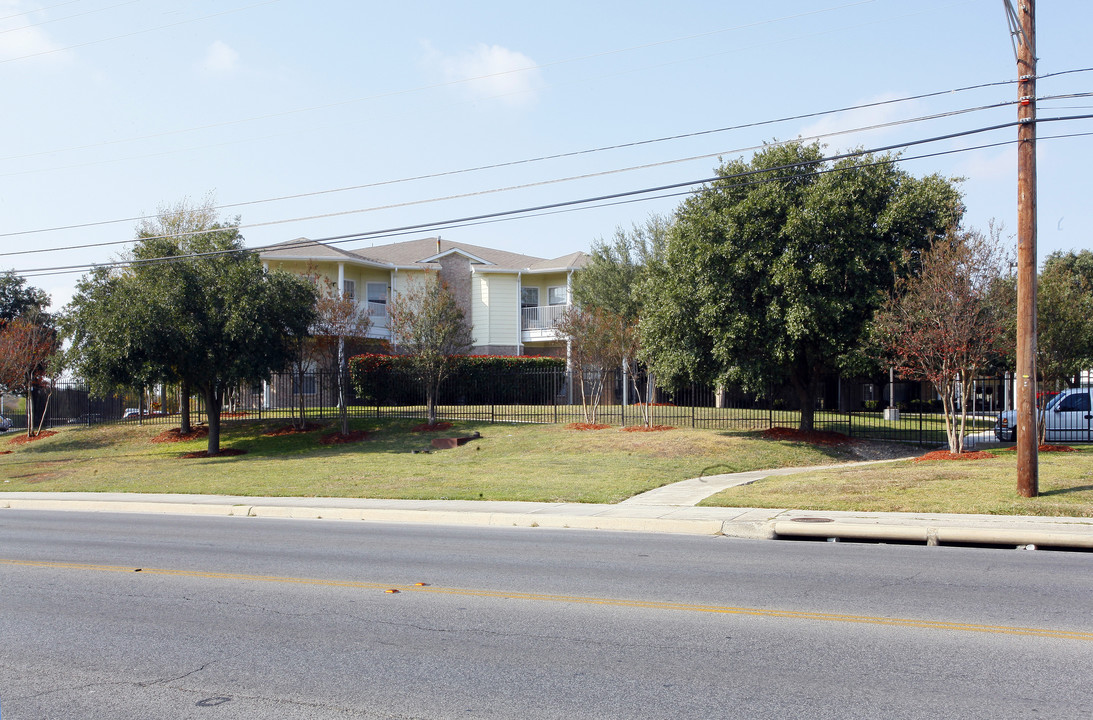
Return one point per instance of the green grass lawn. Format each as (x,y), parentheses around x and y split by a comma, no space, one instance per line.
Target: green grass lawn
(510,462)
(986,486)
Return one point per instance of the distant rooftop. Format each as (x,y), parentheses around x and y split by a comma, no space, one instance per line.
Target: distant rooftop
(416,252)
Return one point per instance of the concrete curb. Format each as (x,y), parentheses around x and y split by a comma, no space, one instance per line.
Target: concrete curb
(938,534)
(746,523)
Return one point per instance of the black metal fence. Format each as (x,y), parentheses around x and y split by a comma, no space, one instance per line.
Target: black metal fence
(853,408)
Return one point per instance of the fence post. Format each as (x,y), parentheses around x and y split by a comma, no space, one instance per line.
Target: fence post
(692,406)
(625,397)
(770,406)
(554,401)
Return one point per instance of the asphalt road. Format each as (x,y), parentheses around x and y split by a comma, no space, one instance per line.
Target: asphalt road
(262,618)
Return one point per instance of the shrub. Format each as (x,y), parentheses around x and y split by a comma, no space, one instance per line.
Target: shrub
(475,380)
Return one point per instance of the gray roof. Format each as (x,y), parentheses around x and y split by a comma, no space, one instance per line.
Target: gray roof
(412,252)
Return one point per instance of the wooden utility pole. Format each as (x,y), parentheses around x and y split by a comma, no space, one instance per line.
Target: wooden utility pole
(1023,26)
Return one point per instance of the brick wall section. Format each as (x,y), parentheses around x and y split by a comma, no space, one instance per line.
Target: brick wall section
(455,272)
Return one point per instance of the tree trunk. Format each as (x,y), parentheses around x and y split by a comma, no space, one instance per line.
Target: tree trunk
(184,407)
(806,397)
(430,403)
(343,410)
(214,398)
(30,411)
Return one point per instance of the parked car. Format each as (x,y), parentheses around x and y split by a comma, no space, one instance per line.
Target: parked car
(5,424)
(1068,418)
(89,419)
(136,413)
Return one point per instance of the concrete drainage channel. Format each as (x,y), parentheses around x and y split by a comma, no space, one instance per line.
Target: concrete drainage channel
(827,529)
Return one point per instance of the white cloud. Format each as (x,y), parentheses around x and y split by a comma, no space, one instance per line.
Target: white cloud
(220,58)
(20,41)
(487,72)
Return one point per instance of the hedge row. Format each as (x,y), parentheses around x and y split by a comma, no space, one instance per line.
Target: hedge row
(475,380)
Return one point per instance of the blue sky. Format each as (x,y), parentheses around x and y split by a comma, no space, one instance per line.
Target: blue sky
(113,108)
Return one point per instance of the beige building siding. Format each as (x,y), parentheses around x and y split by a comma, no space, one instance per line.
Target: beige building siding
(480,309)
(503,300)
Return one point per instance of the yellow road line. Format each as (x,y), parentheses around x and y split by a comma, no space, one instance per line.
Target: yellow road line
(577,599)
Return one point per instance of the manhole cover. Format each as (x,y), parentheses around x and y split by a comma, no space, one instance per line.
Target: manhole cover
(811,520)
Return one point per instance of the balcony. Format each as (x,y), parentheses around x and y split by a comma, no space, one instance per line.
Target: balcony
(541,323)
(377,313)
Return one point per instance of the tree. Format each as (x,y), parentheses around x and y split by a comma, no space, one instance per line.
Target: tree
(338,318)
(27,348)
(17,299)
(192,307)
(773,271)
(607,288)
(616,269)
(428,326)
(1064,320)
(940,324)
(601,342)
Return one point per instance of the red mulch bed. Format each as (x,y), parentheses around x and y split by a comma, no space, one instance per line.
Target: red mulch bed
(813,437)
(336,438)
(226,452)
(586,426)
(426,427)
(1044,448)
(647,428)
(946,455)
(6,452)
(175,435)
(292,429)
(22,439)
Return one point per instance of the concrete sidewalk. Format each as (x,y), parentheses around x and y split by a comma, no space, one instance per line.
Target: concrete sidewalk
(633,515)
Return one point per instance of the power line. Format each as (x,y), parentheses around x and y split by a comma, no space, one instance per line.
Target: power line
(527,213)
(68,17)
(556,156)
(524,186)
(417,227)
(137,32)
(406,91)
(31,12)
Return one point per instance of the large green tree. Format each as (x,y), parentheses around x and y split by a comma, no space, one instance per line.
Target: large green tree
(193,307)
(773,271)
(617,268)
(17,299)
(1064,317)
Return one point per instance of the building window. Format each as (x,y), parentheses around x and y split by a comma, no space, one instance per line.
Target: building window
(349,289)
(309,386)
(556,295)
(377,293)
(529,297)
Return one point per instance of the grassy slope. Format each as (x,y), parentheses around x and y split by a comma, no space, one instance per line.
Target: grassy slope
(510,462)
(968,486)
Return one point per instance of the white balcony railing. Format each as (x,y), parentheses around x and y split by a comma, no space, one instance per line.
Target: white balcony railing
(541,320)
(377,313)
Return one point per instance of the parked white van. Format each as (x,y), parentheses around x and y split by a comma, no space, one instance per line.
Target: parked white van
(1068,417)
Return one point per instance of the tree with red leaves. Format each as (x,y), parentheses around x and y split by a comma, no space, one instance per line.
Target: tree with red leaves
(27,347)
(939,324)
